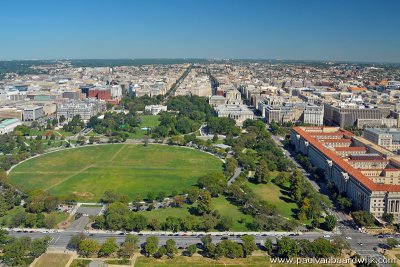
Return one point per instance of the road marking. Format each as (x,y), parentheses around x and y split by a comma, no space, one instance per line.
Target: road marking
(57,239)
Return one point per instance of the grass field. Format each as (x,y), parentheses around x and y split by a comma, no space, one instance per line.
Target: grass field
(128,169)
(149,121)
(53,260)
(275,195)
(221,204)
(80,263)
(197,261)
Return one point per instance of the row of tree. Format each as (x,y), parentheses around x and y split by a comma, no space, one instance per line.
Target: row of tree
(89,247)
(21,251)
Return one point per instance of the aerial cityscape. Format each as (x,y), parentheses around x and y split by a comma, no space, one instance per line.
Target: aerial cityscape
(199,133)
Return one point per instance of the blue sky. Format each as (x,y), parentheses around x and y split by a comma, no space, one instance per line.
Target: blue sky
(356,30)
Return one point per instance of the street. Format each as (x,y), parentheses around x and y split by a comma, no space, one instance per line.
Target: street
(364,244)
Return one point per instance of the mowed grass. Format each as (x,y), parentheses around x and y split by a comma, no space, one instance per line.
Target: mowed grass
(53,260)
(87,172)
(198,261)
(220,203)
(276,196)
(149,121)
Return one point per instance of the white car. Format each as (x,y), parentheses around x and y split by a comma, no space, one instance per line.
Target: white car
(327,236)
(348,237)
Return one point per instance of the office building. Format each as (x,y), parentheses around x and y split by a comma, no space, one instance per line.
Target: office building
(369,176)
(8,125)
(388,138)
(32,113)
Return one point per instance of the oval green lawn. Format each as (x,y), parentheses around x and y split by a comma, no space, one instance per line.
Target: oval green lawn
(133,170)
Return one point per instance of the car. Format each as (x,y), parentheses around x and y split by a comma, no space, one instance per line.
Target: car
(380,236)
(327,236)
(360,243)
(348,237)
(224,238)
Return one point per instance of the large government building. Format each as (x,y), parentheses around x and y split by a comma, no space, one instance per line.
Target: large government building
(366,172)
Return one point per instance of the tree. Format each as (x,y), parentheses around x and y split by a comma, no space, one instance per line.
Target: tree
(88,247)
(3,206)
(99,221)
(209,222)
(268,246)
(213,182)
(287,247)
(204,205)
(225,223)
(191,250)
(179,201)
(109,247)
(76,240)
(363,218)
(171,248)
(50,220)
(262,173)
(189,223)
(230,249)
(341,243)
(230,165)
(18,219)
(154,224)
(215,138)
(192,195)
(392,243)
(39,246)
(61,119)
(315,223)
(15,251)
(208,245)
(161,195)
(323,248)
(296,186)
(344,203)
(160,252)
(388,217)
(151,196)
(128,247)
(282,178)
(151,245)
(126,250)
(249,245)
(138,222)
(330,222)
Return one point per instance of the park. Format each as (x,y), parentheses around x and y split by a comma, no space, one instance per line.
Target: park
(85,173)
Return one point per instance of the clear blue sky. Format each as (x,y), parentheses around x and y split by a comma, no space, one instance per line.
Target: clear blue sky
(357,30)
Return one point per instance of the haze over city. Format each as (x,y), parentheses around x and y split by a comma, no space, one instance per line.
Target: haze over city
(204,133)
(298,30)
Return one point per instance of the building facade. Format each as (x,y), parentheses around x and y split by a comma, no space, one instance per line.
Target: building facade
(388,138)
(369,179)
(32,113)
(8,125)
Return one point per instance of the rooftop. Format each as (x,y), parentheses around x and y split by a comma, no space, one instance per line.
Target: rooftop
(345,166)
(8,122)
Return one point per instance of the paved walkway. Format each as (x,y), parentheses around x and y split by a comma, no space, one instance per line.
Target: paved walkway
(234,176)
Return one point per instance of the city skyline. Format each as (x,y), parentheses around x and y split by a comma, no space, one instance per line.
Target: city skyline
(360,31)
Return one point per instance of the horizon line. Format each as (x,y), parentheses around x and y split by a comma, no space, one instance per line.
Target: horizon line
(208,59)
